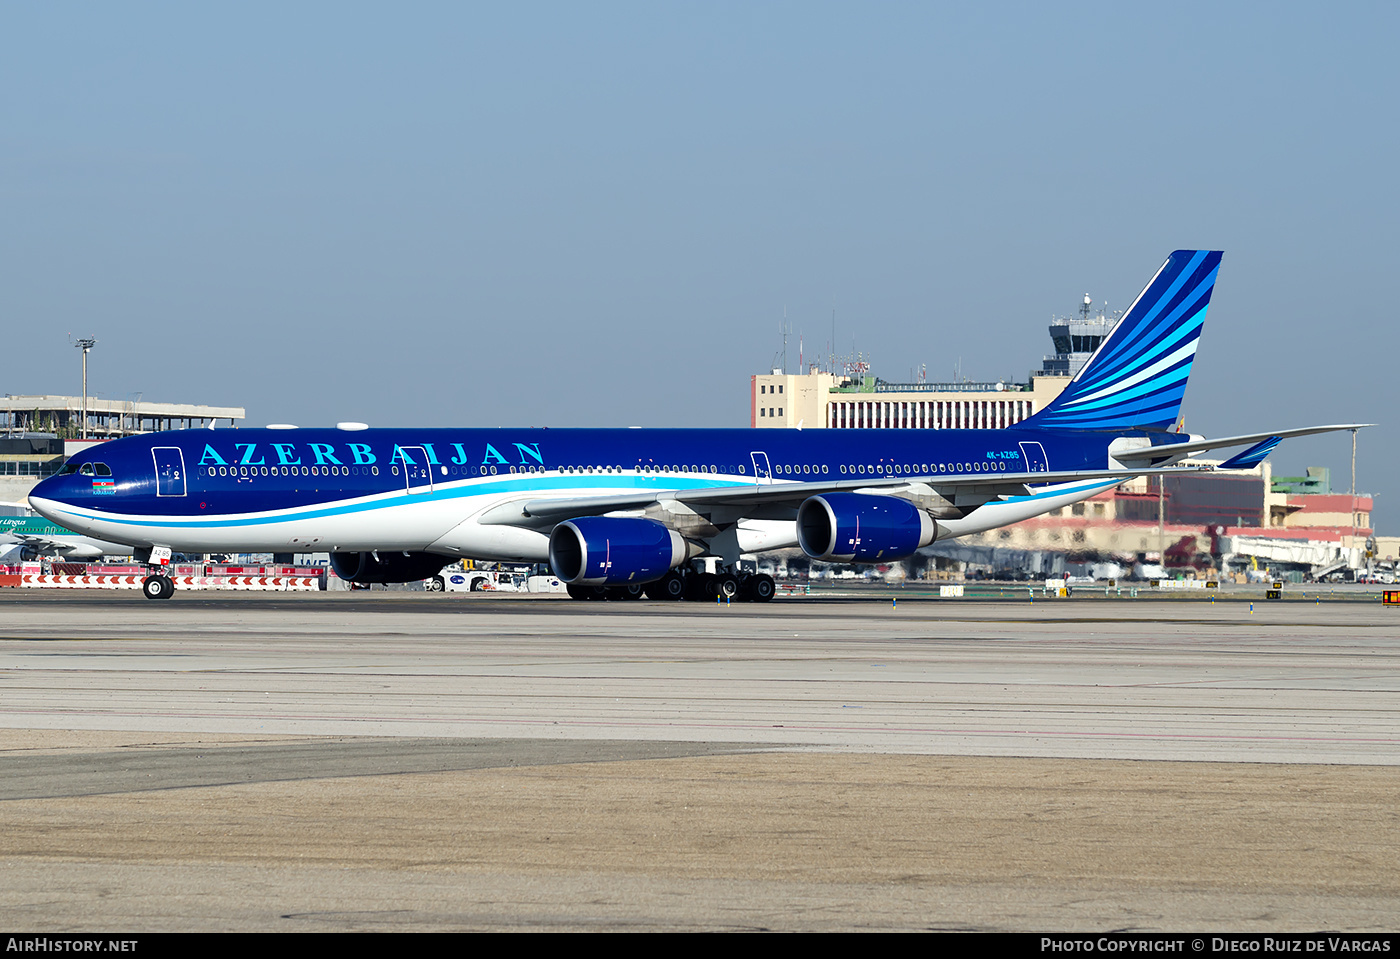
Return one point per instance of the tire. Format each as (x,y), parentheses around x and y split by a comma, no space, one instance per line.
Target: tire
(700,588)
(577,592)
(436,585)
(478,585)
(761,588)
(631,591)
(155,587)
(669,588)
(726,586)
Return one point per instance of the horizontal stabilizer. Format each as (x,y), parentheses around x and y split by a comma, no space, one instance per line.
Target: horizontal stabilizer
(1150,453)
(1253,456)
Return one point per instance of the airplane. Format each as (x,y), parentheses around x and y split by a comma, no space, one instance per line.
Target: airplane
(622,512)
(25,537)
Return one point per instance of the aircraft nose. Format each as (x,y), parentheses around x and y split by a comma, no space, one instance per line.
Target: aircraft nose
(45,506)
(60,488)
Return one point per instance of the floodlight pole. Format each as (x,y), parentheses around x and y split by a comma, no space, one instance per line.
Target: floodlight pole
(85,344)
(1162,523)
(1353,468)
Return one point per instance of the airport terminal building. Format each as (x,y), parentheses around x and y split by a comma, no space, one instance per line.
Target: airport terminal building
(37,433)
(89,417)
(852,397)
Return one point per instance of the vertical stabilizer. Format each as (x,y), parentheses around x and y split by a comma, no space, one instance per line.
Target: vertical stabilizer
(1137,376)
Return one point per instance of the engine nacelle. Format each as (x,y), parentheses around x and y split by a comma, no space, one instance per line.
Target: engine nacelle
(862,528)
(603,550)
(387,566)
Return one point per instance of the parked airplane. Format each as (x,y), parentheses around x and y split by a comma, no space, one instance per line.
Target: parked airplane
(25,537)
(618,511)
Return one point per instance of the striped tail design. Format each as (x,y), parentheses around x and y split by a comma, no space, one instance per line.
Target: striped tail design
(1137,377)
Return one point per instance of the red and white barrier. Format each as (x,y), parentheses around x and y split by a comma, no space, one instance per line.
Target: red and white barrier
(267,583)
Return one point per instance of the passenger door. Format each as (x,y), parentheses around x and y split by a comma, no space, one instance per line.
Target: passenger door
(762,471)
(1035,459)
(417,470)
(170,470)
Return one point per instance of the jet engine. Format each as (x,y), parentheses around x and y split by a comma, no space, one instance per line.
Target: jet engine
(606,550)
(384,566)
(862,528)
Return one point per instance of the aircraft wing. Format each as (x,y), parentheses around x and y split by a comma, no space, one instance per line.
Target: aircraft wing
(73,546)
(1149,453)
(543,512)
(39,542)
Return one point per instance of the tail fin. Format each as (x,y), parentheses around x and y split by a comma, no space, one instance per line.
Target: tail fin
(1137,376)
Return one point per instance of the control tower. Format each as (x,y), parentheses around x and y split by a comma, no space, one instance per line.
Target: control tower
(1076,339)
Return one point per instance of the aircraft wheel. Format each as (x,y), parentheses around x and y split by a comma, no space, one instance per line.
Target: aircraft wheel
(436,585)
(577,592)
(669,587)
(631,591)
(700,588)
(726,586)
(761,588)
(157,587)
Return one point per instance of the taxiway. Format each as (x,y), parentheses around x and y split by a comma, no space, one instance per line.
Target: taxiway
(384,760)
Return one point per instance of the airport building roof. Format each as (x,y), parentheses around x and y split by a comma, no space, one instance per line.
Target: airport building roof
(106,419)
(847,395)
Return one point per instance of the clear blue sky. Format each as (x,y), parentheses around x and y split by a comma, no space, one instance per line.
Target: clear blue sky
(596,213)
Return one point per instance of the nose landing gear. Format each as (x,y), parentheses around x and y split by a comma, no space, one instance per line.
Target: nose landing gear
(158,586)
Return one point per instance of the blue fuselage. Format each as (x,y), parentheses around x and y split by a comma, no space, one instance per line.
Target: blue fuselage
(270,489)
(240,472)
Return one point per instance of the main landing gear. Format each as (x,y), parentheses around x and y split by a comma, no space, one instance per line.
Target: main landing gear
(158,586)
(689,585)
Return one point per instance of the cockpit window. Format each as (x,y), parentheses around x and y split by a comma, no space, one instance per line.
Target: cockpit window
(87,469)
(102,469)
(68,468)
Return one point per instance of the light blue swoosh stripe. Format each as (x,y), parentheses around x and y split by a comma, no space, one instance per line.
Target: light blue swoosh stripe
(344,508)
(1161,381)
(1063,491)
